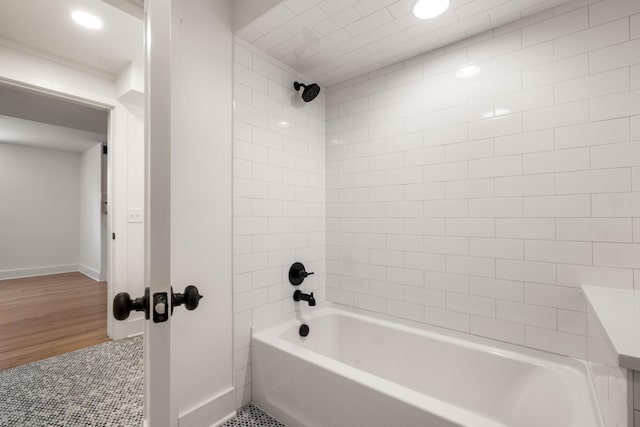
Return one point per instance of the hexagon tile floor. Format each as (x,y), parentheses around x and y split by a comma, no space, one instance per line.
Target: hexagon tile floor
(96,386)
(251,416)
(99,386)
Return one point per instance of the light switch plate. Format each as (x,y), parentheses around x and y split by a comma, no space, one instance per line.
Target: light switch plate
(136,215)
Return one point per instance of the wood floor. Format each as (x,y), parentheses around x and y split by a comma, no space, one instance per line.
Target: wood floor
(46,316)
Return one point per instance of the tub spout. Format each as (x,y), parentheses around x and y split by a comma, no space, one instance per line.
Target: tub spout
(298,295)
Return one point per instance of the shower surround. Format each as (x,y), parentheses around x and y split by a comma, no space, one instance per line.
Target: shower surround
(481,204)
(477,204)
(279,196)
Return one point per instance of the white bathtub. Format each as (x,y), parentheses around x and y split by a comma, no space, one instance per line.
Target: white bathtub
(354,370)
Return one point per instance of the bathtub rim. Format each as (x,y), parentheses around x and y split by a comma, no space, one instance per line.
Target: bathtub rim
(450,335)
(270,332)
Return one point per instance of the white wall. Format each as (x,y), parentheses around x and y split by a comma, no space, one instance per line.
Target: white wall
(442,213)
(245,11)
(135,198)
(18,66)
(127,205)
(51,220)
(39,212)
(90,242)
(279,196)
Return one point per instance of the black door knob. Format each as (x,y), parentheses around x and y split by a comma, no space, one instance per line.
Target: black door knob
(123,305)
(190,298)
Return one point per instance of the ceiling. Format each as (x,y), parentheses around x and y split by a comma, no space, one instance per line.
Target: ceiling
(328,40)
(333,40)
(39,120)
(44,27)
(30,105)
(43,135)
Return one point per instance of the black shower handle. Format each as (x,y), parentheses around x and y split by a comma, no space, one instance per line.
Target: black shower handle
(297,273)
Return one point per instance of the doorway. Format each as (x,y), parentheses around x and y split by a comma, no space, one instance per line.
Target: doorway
(56,266)
(53,226)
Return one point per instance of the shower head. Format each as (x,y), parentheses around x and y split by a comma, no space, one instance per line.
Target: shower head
(310,91)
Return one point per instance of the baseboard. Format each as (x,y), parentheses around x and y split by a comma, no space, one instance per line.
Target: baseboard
(90,272)
(211,413)
(37,271)
(225,419)
(128,328)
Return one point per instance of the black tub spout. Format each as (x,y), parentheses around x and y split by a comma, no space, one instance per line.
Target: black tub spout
(298,295)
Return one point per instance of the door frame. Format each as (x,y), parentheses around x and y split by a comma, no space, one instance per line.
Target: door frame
(159,407)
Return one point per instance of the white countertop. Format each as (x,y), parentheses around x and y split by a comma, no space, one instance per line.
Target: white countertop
(619,314)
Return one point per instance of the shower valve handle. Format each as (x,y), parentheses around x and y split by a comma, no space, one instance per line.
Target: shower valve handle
(297,273)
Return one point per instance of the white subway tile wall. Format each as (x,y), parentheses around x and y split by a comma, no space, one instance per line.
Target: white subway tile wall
(481,204)
(279,197)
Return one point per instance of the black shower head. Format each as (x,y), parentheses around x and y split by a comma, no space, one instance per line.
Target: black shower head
(310,91)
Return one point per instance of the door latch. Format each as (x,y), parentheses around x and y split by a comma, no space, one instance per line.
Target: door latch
(160,307)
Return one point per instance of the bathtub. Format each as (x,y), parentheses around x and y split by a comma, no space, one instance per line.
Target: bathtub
(360,370)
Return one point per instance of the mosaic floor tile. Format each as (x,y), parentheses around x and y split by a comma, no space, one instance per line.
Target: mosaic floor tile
(96,386)
(251,416)
(99,386)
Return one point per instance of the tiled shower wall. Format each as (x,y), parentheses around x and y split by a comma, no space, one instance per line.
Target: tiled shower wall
(481,204)
(279,197)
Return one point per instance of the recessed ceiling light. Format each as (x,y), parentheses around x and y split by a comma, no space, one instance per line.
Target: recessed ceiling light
(86,19)
(468,71)
(425,9)
(284,124)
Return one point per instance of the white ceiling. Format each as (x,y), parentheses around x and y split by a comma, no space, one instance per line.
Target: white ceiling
(39,120)
(334,40)
(43,135)
(30,105)
(45,27)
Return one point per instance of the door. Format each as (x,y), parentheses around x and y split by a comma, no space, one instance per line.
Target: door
(188,355)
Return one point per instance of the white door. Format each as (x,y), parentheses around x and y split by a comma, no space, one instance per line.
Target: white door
(188,357)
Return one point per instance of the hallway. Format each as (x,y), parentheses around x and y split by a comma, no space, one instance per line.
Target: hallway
(50,315)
